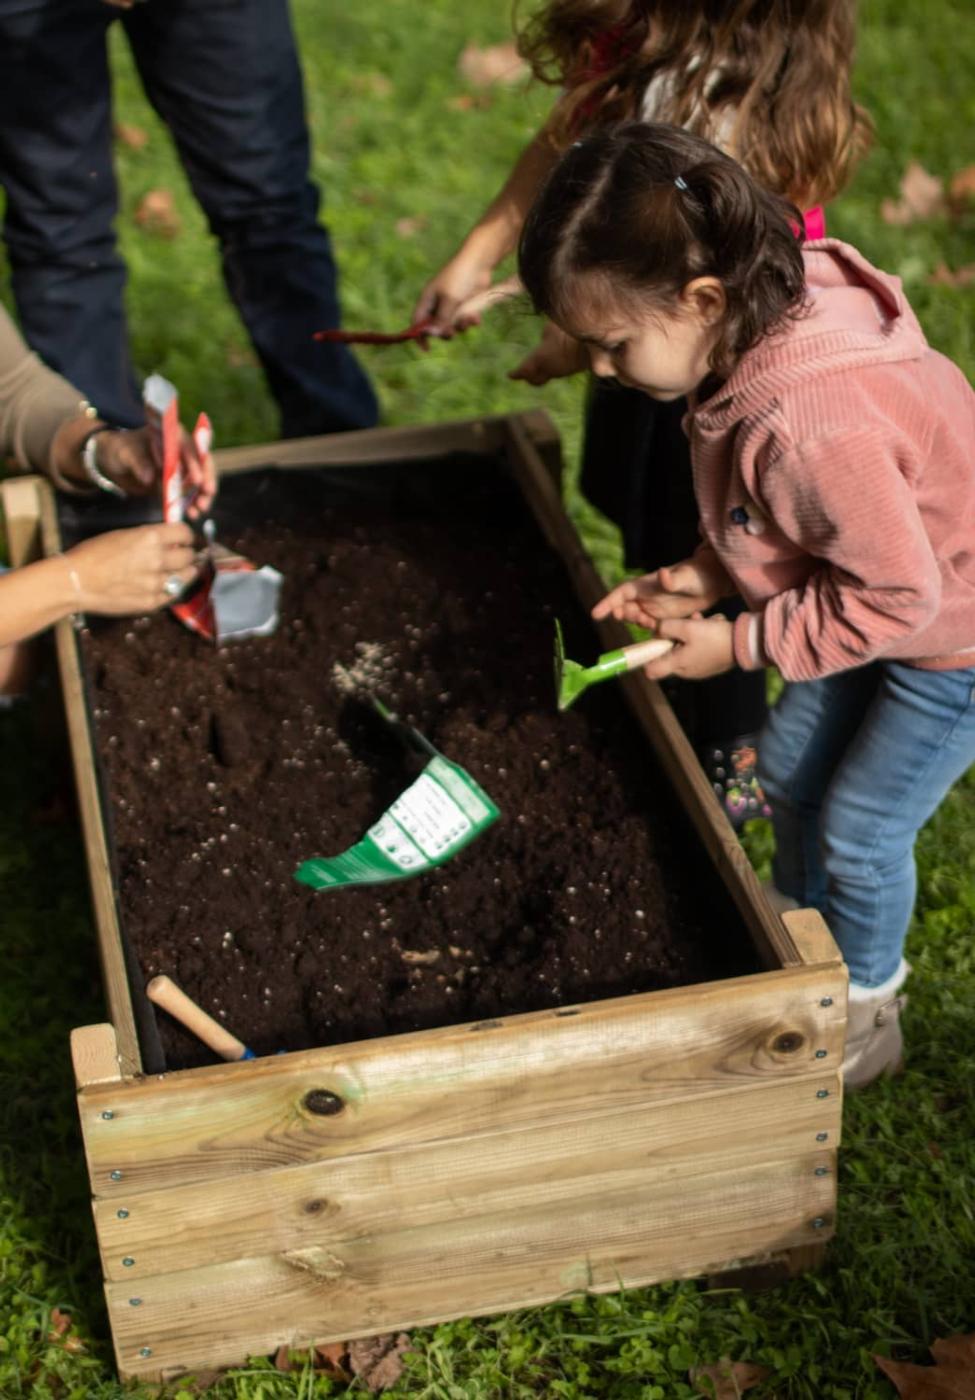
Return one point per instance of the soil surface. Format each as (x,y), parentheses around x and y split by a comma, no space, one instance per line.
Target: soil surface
(224,769)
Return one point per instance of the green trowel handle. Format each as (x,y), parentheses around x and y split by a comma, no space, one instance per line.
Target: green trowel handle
(613,663)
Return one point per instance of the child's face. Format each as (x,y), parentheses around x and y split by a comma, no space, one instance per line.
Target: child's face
(665,352)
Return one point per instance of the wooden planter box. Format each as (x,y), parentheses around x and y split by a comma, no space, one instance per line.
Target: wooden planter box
(338,1192)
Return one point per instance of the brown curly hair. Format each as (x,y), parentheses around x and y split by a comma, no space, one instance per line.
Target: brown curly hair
(777,72)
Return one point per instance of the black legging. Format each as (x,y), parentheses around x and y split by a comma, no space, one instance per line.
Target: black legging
(636,469)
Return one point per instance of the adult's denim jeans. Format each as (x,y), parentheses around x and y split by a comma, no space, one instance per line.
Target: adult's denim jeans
(225,78)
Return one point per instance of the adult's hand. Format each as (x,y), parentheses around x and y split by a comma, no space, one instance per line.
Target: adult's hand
(125,571)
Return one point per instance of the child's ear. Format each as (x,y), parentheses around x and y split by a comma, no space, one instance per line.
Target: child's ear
(705,298)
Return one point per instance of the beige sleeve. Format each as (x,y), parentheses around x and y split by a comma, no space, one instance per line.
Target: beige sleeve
(34,401)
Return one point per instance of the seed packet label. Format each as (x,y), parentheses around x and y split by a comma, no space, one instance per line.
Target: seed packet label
(162,415)
(440,814)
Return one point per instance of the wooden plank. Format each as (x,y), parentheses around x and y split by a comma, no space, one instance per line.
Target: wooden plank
(219,1314)
(325,1203)
(810,933)
(94,1055)
(89,802)
(22,519)
(378,446)
(647,700)
(659,1047)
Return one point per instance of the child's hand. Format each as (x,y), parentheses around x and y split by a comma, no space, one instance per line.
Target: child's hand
(442,298)
(555,356)
(676,590)
(705,647)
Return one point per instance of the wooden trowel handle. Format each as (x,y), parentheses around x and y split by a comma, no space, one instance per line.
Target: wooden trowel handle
(641,652)
(165,993)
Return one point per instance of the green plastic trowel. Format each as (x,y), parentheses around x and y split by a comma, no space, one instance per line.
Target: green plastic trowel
(571,678)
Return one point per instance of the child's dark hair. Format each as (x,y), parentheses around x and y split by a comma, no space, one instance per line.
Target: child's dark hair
(645,209)
(773,74)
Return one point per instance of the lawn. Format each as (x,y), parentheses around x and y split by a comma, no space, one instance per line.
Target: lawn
(405,166)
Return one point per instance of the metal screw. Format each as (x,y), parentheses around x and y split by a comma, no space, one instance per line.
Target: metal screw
(127,1262)
(108,1114)
(122,1214)
(135,1302)
(820,1054)
(116,1175)
(822,1093)
(820,1171)
(145,1351)
(826,1001)
(818,1223)
(821,1137)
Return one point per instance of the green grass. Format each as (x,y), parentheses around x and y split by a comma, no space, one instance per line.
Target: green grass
(381,75)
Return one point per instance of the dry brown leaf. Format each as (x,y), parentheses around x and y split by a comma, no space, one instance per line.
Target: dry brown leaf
(331,1359)
(727,1379)
(378,1361)
(156,213)
(468,101)
(282,1359)
(60,1322)
(132,136)
(922,196)
(499,63)
(944,276)
(406,228)
(952,1377)
(961,191)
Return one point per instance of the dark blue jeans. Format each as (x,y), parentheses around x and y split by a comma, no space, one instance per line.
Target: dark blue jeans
(224,76)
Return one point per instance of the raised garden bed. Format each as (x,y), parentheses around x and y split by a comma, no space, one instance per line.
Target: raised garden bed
(687,1123)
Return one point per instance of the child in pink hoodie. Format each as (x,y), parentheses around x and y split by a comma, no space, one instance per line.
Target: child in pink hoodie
(833,457)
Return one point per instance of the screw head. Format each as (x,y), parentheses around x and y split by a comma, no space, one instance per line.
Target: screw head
(107,1114)
(116,1175)
(145,1351)
(820,1054)
(127,1262)
(820,1171)
(826,1001)
(135,1302)
(821,1137)
(818,1223)
(122,1214)
(822,1093)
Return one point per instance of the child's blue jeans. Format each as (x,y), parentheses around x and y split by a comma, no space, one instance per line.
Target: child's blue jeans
(854,765)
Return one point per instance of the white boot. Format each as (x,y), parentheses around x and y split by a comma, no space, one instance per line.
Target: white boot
(874,1042)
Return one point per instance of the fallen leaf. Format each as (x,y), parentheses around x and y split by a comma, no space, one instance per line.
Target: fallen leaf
(156,213)
(952,1377)
(60,1322)
(499,63)
(944,276)
(132,136)
(922,196)
(282,1359)
(727,1379)
(331,1360)
(468,101)
(406,228)
(961,191)
(378,1361)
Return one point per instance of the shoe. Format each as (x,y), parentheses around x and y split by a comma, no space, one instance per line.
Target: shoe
(874,1039)
(730,768)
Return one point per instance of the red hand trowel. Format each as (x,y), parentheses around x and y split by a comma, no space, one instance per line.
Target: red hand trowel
(571,678)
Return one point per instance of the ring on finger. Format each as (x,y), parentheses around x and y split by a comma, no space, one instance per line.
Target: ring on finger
(173,586)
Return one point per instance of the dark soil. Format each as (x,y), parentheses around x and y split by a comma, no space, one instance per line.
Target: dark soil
(223,770)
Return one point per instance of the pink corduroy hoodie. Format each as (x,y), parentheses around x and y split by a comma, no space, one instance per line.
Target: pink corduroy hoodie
(835,478)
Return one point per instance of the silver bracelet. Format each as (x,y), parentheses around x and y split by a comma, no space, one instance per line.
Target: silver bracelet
(89,451)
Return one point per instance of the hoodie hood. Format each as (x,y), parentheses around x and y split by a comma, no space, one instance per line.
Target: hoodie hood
(856,316)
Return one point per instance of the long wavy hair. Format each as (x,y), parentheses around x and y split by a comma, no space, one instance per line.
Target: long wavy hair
(771,76)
